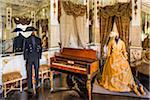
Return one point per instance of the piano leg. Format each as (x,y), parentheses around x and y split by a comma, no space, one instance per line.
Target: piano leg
(51,81)
(88,85)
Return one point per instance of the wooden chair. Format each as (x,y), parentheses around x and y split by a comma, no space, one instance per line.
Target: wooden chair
(44,72)
(10,82)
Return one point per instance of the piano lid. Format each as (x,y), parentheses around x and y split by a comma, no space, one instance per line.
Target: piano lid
(73,58)
(80,53)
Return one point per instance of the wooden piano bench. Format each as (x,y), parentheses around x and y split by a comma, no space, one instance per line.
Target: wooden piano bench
(10,82)
(44,72)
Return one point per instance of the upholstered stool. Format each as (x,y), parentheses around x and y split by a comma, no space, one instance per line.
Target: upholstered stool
(44,72)
(10,82)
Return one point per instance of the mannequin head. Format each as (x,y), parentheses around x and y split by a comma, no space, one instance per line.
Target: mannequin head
(113,34)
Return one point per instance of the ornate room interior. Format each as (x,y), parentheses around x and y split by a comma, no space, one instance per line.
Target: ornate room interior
(73,35)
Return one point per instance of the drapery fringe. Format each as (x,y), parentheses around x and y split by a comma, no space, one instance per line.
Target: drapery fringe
(71,8)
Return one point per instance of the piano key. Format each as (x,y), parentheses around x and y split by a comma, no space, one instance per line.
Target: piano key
(75,67)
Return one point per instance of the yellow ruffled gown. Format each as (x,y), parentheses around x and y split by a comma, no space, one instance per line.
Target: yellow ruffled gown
(117,75)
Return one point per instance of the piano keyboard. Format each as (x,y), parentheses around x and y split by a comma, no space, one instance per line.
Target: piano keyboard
(69,66)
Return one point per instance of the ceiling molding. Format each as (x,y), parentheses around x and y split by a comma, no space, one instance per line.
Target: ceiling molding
(24,3)
(22,7)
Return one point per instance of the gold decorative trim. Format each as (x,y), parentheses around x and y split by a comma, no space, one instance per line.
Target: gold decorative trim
(71,8)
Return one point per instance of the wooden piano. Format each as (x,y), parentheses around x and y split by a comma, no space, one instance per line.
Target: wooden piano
(81,63)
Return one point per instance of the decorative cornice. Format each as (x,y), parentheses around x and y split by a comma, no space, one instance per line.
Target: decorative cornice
(135,47)
(24,3)
(145,8)
(22,7)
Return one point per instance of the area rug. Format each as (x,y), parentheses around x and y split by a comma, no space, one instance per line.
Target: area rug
(101,90)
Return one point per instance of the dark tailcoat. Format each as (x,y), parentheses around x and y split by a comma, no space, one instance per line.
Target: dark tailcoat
(32,55)
(18,43)
(32,52)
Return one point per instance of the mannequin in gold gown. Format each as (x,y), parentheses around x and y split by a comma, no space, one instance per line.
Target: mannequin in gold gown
(117,75)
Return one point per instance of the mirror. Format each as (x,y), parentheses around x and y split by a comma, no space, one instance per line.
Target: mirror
(22,15)
(145,34)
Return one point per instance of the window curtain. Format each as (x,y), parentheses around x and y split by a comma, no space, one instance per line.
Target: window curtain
(119,13)
(123,25)
(105,28)
(73,24)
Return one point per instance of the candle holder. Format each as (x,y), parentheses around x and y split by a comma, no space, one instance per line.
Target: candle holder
(54,5)
(135,7)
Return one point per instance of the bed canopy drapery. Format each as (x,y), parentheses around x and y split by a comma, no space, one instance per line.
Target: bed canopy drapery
(120,14)
(74,25)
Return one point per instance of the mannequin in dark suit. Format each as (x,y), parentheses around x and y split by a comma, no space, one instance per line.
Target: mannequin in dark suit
(32,55)
(18,43)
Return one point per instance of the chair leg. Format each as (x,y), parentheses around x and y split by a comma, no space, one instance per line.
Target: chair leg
(42,78)
(51,80)
(34,90)
(21,85)
(17,84)
(49,77)
(5,94)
